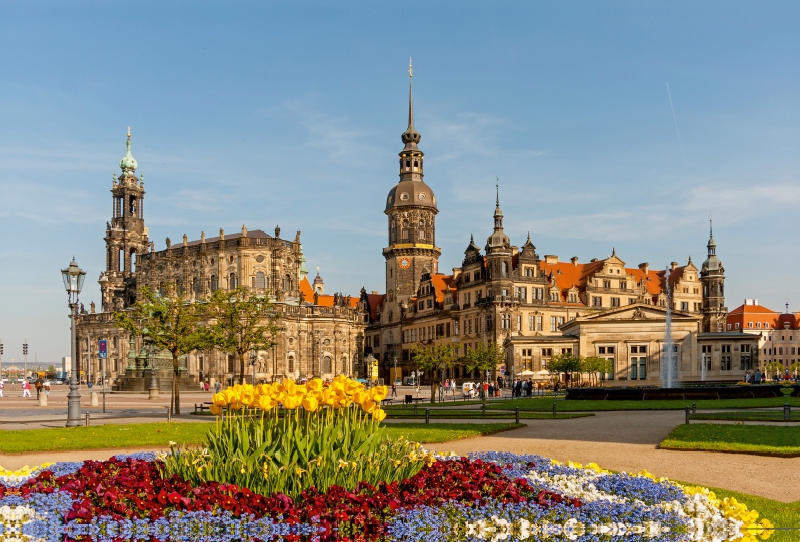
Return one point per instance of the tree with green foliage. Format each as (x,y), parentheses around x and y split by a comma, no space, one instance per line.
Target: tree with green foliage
(795,368)
(169,322)
(774,368)
(243,322)
(429,357)
(565,364)
(51,368)
(595,366)
(484,357)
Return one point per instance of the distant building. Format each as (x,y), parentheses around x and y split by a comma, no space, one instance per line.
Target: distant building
(778,334)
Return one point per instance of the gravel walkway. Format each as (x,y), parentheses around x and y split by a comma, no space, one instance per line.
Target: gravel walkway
(626,441)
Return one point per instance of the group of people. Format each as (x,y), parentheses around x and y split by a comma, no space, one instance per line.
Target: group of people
(522,388)
(756,377)
(41,386)
(206,386)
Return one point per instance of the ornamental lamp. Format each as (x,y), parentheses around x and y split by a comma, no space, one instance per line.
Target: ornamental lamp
(73,278)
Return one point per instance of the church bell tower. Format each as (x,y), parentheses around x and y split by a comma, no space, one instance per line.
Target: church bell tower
(712,276)
(411,211)
(126,235)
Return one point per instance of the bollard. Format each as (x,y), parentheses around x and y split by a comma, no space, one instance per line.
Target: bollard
(427,416)
(87,418)
(95,399)
(42,399)
(415,409)
(694,408)
(787,411)
(516,414)
(687,415)
(554,410)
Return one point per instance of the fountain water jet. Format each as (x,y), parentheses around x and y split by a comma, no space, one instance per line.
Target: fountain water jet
(667,359)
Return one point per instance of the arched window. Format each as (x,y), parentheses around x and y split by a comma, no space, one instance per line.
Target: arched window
(326,364)
(504,268)
(422,235)
(196,286)
(261,280)
(162,290)
(287,283)
(291,364)
(121,260)
(214,284)
(179,286)
(133,260)
(232,281)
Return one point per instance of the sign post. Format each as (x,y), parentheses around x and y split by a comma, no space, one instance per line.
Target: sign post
(102,354)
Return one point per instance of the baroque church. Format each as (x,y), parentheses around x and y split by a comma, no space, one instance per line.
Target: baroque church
(321,334)
(536,308)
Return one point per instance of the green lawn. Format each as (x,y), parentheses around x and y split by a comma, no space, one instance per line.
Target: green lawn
(764,439)
(781,514)
(546,404)
(766,415)
(160,434)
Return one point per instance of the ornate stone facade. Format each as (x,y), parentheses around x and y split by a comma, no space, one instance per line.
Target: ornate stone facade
(321,335)
(535,307)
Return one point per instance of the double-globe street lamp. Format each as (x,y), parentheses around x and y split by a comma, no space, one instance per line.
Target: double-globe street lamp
(73,281)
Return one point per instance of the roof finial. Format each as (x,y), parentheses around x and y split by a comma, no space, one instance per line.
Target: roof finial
(529,236)
(497,188)
(410,95)
(710,227)
(129,132)
(613,251)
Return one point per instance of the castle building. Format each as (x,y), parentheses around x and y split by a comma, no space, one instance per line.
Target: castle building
(536,308)
(321,335)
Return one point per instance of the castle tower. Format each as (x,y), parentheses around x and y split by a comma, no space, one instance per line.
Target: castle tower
(126,235)
(712,275)
(411,210)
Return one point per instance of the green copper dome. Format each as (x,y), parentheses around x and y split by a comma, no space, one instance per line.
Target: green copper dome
(128,163)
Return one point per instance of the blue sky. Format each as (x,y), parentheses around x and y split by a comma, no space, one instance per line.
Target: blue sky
(268,113)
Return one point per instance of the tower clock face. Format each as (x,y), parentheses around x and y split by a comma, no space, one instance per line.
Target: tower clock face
(404,263)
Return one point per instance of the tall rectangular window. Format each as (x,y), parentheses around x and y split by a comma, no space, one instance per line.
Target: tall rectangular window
(553,324)
(531,324)
(539,326)
(614,302)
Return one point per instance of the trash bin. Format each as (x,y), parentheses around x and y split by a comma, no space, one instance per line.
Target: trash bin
(409,399)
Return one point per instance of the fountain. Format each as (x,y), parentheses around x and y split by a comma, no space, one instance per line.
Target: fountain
(668,362)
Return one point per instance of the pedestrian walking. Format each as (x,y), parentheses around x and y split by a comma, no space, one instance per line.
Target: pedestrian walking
(26,388)
(394,389)
(216,386)
(202,386)
(2,385)
(47,389)
(206,385)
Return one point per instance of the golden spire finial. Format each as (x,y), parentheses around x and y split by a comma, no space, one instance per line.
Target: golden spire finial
(129,132)
(410,69)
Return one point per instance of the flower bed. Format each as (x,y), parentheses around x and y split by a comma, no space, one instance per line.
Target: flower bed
(490,496)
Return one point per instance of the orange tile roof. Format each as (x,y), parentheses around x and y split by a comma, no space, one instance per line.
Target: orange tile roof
(306,290)
(375,302)
(323,300)
(568,274)
(754,314)
(442,283)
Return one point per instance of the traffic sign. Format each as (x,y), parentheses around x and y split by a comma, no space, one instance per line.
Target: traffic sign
(102,349)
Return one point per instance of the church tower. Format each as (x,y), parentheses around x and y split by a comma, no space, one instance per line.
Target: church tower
(126,235)
(411,210)
(712,275)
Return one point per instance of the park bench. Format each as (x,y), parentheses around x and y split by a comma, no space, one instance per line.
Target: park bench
(202,406)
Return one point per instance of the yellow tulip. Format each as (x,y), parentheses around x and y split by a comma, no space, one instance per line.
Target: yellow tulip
(379,393)
(378,414)
(369,406)
(291,402)
(263,389)
(219,400)
(310,403)
(230,395)
(314,384)
(265,403)
(215,409)
(359,397)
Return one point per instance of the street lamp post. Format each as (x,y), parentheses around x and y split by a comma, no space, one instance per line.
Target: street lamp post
(253,358)
(73,277)
(154,392)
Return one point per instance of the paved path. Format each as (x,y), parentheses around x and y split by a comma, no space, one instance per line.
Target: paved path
(626,441)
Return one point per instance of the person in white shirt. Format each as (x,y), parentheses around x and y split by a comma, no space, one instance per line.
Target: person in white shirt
(26,389)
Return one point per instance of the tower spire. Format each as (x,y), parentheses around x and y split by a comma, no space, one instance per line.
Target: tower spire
(497,189)
(410,95)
